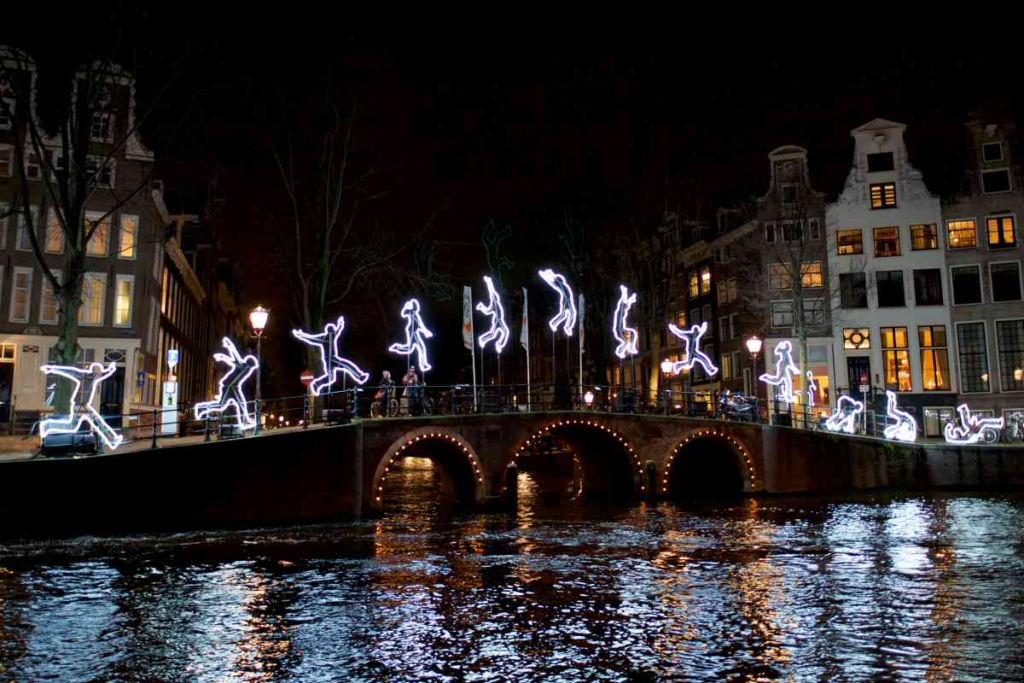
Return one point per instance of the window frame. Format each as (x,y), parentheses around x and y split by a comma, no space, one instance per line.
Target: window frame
(18,223)
(778,268)
(843,290)
(109,116)
(15,271)
(10,161)
(10,104)
(705,280)
(120,237)
(895,349)
(4,223)
(814,229)
(771,313)
(985,145)
(874,241)
(922,349)
(102,163)
(42,299)
(960,365)
(50,217)
(93,216)
(942,296)
(913,243)
(878,289)
(949,236)
(952,284)
(852,330)
(993,171)
(883,206)
(999,373)
(769,233)
(890,155)
(860,241)
(804,273)
(130,279)
(103,299)
(992,286)
(1013,226)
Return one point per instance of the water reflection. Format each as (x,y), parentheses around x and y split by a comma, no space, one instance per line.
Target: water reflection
(854,588)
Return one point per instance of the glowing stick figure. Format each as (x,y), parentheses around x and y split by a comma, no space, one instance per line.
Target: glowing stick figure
(812,388)
(416,334)
(974,428)
(844,418)
(81,412)
(566,316)
(691,346)
(785,370)
(327,343)
(905,428)
(499,330)
(626,336)
(229,389)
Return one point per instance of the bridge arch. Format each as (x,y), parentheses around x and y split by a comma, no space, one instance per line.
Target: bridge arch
(730,468)
(462,473)
(619,471)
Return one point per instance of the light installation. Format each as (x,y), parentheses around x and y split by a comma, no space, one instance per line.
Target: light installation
(229,389)
(327,344)
(566,316)
(845,417)
(693,353)
(499,330)
(81,412)
(416,334)
(905,428)
(626,336)
(972,428)
(785,370)
(812,388)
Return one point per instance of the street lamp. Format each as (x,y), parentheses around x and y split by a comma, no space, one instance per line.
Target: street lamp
(588,398)
(258,318)
(754,347)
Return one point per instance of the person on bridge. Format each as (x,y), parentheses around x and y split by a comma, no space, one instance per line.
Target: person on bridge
(384,392)
(412,389)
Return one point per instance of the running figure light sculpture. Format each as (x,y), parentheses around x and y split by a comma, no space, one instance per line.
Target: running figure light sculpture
(566,316)
(416,334)
(785,370)
(844,418)
(694,354)
(626,336)
(81,411)
(499,330)
(905,428)
(327,343)
(973,429)
(229,389)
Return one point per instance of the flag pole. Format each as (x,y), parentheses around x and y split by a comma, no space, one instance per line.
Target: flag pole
(524,339)
(582,304)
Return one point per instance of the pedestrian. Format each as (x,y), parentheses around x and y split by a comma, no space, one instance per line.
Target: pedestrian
(412,390)
(384,392)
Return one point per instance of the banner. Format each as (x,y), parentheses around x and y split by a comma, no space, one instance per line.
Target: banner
(524,333)
(467,317)
(583,309)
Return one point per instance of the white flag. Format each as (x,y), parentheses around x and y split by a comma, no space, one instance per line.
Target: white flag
(467,317)
(583,308)
(524,333)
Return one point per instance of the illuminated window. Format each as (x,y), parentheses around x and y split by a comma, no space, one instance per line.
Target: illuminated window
(923,237)
(48,305)
(856,338)
(850,242)
(896,358)
(94,289)
(124,289)
(810,274)
(966,285)
(681,319)
(1000,232)
(887,241)
(973,357)
(54,234)
(21,290)
(962,234)
(97,245)
(129,237)
(1010,345)
(778,276)
(1005,281)
(705,280)
(883,195)
(694,285)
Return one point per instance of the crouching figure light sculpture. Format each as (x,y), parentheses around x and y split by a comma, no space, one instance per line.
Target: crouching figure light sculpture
(229,389)
(416,334)
(691,346)
(905,428)
(627,337)
(972,428)
(785,370)
(844,418)
(566,316)
(80,411)
(499,330)
(327,344)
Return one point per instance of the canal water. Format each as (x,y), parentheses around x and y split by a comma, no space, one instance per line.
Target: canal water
(875,586)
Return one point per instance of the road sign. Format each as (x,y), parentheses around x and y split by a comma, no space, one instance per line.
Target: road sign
(864,388)
(306,377)
(172,357)
(140,378)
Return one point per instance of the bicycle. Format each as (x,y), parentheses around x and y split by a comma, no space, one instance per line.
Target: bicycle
(375,407)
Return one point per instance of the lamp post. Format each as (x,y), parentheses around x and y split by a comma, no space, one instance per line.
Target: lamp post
(666,370)
(258,318)
(754,347)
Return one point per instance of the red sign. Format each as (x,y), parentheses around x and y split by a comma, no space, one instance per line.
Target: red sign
(306,377)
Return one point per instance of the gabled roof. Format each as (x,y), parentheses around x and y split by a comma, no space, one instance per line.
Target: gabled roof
(878,124)
(787,150)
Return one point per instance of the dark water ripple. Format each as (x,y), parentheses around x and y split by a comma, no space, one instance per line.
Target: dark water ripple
(904,587)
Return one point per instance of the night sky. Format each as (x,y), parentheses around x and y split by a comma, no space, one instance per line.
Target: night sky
(522,128)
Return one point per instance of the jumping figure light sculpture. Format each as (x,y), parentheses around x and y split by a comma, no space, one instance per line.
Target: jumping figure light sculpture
(566,316)
(626,336)
(327,344)
(845,417)
(973,428)
(416,334)
(81,412)
(499,330)
(691,347)
(229,389)
(785,370)
(905,428)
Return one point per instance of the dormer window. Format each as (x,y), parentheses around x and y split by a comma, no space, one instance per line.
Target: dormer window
(102,127)
(880,162)
(995,181)
(883,195)
(991,152)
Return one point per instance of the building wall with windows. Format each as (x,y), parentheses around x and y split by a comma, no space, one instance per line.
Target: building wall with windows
(983,254)
(893,328)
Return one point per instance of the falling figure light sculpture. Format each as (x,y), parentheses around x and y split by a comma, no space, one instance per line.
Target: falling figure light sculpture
(327,343)
(566,316)
(845,417)
(691,348)
(905,428)
(626,336)
(229,389)
(499,330)
(973,429)
(416,334)
(81,411)
(785,370)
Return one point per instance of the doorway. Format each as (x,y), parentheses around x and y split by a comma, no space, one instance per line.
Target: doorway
(858,369)
(6,384)
(112,398)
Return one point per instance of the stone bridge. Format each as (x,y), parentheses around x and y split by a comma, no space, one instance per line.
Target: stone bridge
(339,472)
